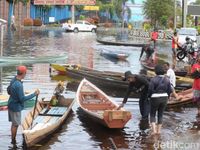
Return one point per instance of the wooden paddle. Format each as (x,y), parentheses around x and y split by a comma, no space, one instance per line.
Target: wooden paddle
(112,143)
(34,109)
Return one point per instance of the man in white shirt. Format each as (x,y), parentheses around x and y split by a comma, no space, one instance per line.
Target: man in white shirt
(172,78)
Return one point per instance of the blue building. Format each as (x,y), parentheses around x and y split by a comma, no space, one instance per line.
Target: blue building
(52,14)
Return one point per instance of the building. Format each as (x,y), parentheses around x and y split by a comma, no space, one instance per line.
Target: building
(137,16)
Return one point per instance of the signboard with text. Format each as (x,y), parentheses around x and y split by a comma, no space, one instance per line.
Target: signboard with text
(194,10)
(91,8)
(64,2)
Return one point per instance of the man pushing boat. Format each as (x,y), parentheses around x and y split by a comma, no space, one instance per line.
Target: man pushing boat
(138,83)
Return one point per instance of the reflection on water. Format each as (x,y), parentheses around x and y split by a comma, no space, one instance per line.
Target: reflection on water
(79,131)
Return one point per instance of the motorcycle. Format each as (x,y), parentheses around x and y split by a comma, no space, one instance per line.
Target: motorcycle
(189,49)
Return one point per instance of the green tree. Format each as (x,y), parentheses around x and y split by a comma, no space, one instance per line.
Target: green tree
(197,2)
(156,9)
(113,7)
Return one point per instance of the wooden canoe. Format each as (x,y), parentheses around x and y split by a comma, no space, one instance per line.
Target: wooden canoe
(151,66)
(29,60)
(179,79)
(4,102)
(103,79)
(45,121)
(63,68)
(187,99)
(98,106)
(114,54)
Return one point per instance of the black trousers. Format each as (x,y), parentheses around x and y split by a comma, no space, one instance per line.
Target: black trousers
(144,106)
(158,106)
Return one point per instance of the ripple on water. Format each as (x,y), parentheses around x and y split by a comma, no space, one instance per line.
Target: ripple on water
(78,132)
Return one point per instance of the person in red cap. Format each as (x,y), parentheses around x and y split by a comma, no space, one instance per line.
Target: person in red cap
(16,100)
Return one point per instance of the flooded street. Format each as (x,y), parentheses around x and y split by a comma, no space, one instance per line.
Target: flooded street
(179,126)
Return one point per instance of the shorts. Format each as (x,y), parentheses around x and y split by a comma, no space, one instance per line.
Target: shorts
(14,117)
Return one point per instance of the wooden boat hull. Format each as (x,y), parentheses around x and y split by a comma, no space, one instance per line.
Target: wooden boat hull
(104,80)
(59,68)
(179,79)
(152,66)
(115,55)
(44,124)
(187,99)
(4,102)
(22,60)
(100,108)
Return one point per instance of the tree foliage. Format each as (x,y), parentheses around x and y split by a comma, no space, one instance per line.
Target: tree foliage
(113,7)
(156,9)
(24,2)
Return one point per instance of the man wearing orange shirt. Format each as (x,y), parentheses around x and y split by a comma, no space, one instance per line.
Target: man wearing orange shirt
(154,37)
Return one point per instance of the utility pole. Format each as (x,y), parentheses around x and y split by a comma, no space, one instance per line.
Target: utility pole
(73,13)
(174,14)
(184,13)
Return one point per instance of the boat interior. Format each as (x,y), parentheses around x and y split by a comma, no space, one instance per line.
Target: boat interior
(94,100)
(45,115)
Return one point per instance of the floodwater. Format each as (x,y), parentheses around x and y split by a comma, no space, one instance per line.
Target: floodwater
(181,129)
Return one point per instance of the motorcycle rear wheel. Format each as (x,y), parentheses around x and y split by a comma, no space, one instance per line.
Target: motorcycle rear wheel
(181,55)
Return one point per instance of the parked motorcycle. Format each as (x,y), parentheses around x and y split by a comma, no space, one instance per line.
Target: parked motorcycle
(189,49)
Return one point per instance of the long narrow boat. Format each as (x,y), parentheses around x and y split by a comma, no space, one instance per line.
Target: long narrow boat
(108,79)
(45,121)
(151,66)
(101,79)
(98,106)
(179,79)
(187,99)
(4,60)
(61,69)
(114,54)
(4,102)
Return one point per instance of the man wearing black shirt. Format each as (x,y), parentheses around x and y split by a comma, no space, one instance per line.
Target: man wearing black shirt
(138,83)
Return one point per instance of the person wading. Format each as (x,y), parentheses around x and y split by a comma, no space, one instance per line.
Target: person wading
(159,92)
(138,83)
(172,78)
(174,47)
(16,100)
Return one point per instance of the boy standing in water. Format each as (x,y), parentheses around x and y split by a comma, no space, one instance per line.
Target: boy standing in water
(174,47)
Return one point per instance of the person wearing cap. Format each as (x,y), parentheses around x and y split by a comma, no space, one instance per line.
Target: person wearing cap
(195,73)
(16,100)
(138,83)
(158,93)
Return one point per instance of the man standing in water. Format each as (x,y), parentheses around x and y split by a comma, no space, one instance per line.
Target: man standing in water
(138,83)
(16,100)
(196,84)
(172,78)
(154,37)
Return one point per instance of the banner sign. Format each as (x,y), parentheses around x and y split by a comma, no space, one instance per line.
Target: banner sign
(91,8)
(64,2)
(194,10)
